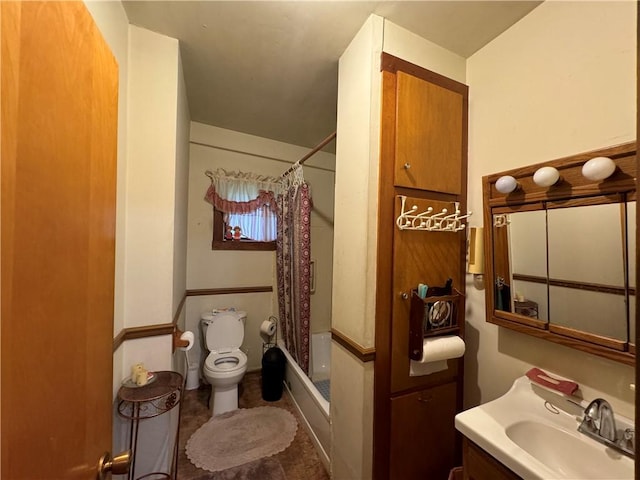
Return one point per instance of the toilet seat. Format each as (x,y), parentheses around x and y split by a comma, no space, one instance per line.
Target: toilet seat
(228,362)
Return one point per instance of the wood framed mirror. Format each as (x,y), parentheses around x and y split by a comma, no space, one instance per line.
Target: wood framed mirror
(560,259)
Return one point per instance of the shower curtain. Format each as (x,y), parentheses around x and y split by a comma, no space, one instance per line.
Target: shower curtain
(293,251)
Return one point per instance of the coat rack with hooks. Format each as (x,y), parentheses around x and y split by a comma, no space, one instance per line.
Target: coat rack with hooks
(430,221)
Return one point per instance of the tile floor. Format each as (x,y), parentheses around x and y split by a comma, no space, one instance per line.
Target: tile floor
(299,461)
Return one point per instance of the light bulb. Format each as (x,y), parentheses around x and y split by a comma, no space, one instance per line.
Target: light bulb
(546,176)
(506,184)
(598,168)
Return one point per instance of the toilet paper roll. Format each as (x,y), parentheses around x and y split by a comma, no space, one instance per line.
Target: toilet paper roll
(267,329)
(435,353)
(189,337)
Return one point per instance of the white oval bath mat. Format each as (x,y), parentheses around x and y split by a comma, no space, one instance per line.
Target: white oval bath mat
(241,436)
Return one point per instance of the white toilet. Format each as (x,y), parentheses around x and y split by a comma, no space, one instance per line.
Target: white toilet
(225,364)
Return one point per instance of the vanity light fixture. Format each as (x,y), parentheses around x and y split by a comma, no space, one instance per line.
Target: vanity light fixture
(506,184)
(546,176)
(598,168)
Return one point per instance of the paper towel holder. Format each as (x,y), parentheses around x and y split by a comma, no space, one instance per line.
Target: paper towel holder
(432,316)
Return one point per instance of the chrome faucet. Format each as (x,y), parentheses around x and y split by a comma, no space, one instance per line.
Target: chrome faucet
(598,419)
(599,423)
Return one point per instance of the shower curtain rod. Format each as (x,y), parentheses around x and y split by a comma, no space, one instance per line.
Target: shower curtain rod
(315,150)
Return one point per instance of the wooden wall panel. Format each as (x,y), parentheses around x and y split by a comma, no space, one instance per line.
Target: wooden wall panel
(419,257)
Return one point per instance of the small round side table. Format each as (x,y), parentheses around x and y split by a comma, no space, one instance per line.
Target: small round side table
(160,396)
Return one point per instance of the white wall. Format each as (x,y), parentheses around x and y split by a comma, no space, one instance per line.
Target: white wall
(181,188)
(354,261)
(357,153)
(153,133)
(112,21)
(408,46)
(559,82)
(151,175)
(213,148)
(156,186)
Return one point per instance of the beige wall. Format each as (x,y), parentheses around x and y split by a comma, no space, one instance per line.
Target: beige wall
(213,148)
(357,151)
(181,195)
(152,184)
(351,416)
(112,21)
(354,261)
(151,176)
(153,133)
(561,81)
(404,44)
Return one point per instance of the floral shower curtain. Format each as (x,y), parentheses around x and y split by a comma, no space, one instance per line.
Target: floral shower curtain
(294,266)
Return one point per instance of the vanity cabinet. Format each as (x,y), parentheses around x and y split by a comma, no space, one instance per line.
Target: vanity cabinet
(423,159)
(479,465)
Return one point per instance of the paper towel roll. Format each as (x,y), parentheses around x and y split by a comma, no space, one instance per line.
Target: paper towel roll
(267,329)
(435,353)
(417,369)
(442,348)
(189,337)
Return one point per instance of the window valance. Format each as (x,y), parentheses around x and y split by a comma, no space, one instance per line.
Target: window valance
(239,192)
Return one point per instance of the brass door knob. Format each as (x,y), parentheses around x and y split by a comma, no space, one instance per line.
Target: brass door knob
(118,465)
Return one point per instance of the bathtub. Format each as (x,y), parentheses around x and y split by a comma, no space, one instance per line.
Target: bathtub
(312,406)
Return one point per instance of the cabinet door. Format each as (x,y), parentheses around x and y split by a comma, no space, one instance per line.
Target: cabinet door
(430,126)
(479,465)
(423,433)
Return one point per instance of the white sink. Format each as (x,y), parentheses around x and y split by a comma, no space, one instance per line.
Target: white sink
(535,434)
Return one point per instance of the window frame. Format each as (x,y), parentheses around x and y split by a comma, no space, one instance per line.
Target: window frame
(219,243)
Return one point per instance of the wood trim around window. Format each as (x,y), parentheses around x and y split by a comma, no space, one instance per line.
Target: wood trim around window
(219,243)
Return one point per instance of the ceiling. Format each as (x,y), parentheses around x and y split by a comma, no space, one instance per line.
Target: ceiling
(270,68)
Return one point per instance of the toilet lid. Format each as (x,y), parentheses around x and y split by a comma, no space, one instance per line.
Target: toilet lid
(225,331)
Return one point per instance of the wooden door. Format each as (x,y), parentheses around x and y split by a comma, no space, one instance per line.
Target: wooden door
(59,125)
(479,465)
(430,131)
(422,443)
(420,257)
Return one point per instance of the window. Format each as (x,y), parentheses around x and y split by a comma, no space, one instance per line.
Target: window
(222,228)
(244,211)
